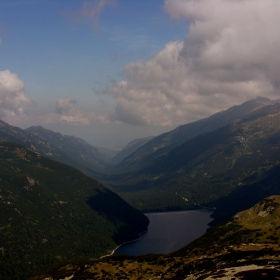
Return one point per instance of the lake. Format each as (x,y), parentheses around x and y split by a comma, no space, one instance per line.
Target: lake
(168,232)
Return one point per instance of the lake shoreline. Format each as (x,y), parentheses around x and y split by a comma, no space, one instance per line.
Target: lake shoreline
(168,231)
(127,242)
(179,211)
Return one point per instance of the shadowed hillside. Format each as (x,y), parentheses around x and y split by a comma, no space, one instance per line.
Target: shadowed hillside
(51,213)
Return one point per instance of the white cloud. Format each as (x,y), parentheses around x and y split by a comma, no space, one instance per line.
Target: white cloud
(65,112)
(229,55)
(13,100)
(64,105)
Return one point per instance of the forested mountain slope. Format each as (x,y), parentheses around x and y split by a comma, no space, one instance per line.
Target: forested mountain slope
(209,166)
(51,213)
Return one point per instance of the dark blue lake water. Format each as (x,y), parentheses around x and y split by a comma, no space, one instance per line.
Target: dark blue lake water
(168,232)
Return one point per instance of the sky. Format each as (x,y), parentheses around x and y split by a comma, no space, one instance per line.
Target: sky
(110,71)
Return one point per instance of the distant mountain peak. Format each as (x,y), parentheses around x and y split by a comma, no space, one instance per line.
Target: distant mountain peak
(86,155)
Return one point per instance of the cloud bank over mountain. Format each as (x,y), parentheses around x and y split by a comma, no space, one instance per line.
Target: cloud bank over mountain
(229,55)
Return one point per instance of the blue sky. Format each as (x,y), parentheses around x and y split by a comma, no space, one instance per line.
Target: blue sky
(58,56)
(110,71)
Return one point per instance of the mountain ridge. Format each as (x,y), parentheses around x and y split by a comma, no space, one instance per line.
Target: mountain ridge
(9,133)
(164,143)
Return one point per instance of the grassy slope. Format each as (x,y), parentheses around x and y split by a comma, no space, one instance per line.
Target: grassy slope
(259,224)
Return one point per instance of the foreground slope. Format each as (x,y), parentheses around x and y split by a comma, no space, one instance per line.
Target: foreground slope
(245,247)
(50,213)
(209,166)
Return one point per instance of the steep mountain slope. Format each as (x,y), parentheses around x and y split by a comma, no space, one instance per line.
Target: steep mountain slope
(130,148)
(75,148)
(51,212)
(209,166)
(164,143)
(245,247)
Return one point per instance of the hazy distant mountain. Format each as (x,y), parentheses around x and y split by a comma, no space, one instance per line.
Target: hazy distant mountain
(107,152)
(37,144)
(245,247)
(164,143)
(51,213)
(209,166)
(17,135)
(75,148)
(130,148)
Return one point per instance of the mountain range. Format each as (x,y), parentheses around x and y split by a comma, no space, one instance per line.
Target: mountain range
(224,163)
(195,164)
(164,143)
(200,164)
(206,167)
